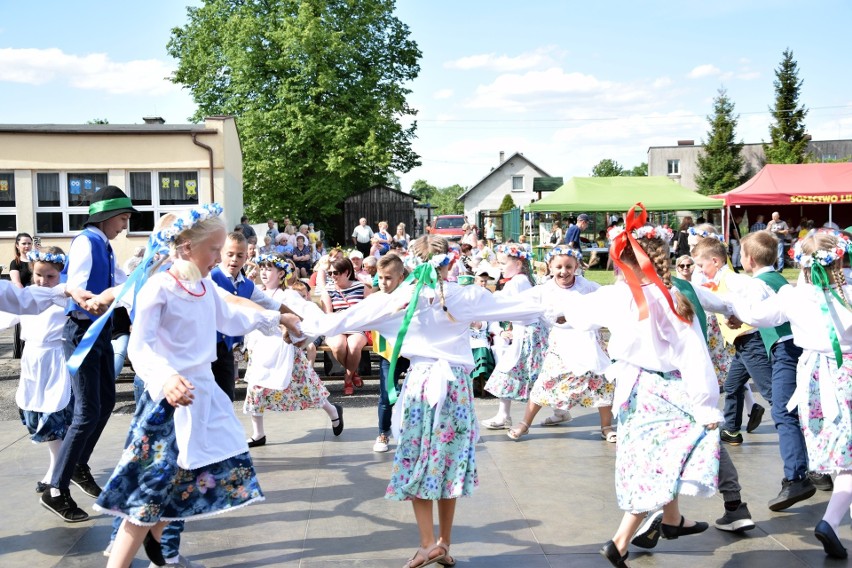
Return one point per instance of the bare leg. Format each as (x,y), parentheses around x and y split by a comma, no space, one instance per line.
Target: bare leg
(629,524)
(426,529)
(446,514)
(355,343)
(671,515)
(605,413)
(127,543)
(338,346)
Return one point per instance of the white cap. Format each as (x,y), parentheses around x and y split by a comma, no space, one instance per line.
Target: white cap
(356,254)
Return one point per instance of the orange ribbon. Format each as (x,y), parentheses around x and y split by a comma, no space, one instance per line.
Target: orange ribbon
(712,286)
(632,222)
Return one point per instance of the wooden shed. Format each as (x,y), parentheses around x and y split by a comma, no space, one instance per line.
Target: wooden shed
(379,203)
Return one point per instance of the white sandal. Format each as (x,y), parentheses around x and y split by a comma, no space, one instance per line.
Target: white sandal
(492,423)
(519,431)
(557,419)
(609,434)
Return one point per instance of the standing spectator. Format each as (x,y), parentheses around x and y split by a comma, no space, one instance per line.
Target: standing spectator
(572,235)
(781,230)
(376,248)
(758,225)
(469,236)
(21,276)
(384,237)
(247,229)
(314,235)
(361,236)
(302,257)
(522,242)
(401,236)
(555,234)
(683,236)
(490,233)
(271,232)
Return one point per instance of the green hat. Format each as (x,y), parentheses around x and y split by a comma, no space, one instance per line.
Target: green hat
(109,202)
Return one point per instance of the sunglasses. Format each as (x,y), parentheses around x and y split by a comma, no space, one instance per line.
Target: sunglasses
(334,272)
(684,265)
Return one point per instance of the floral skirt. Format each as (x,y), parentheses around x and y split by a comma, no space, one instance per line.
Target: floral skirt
(517,383)
(147,486)
(662,452)
(483,362)
(721,353)
(48,426)
(829,443)
(305,391)
(435,462)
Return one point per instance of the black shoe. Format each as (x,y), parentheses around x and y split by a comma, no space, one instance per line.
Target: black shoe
(153,550)
(338,430)
(738,520)
(42,487)
(754,417)
(63,506)
(821,481)
(732,438)
(649,533)
(610,552)
(830,543)
(671,532)
(82,478)
(791,493)
(252,443)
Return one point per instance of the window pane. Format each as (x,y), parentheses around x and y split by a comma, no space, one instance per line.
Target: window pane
(140,188)
(143,222)
(82,188)
(178,188)
(7,190)
(75,222)
(48,223)
(8,223)
(48,191)
(517,183)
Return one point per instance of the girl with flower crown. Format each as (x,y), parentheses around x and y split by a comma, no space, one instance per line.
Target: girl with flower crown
(280,376)
(574,360)
(820,315)
(519,360)
(434,418)
(666,392)
(186,457)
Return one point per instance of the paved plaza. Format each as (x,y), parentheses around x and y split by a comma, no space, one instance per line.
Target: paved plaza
(544,502)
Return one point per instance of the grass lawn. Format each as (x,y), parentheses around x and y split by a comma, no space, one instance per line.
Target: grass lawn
(607,276)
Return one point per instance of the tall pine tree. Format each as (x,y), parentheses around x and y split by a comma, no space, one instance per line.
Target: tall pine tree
(787,133)
(720,165)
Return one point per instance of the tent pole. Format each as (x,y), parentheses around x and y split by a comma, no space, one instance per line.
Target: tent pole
(829,213)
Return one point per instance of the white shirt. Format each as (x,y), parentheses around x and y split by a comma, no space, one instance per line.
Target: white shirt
(257,295)
(29,300)
(363,234)
(80,265)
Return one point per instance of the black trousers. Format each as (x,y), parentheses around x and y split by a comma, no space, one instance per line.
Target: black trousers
(224,370)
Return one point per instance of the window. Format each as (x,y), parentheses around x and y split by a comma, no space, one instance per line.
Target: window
(674,167)
(517,183)
(156,193)
(7,202)
(63,199)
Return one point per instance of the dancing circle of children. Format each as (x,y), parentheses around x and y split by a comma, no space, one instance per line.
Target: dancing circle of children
(186,458)
(574,360)
(823,392)
(666,391)
(517,349)
(434,420)
(279,375)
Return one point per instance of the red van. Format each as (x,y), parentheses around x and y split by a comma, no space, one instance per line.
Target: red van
(449,226)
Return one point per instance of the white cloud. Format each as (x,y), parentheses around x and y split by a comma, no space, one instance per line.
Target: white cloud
(94,71)
(443,94)
(707,70)
(528,60)
(662,83)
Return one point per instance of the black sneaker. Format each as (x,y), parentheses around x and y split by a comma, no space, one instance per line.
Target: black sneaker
(649,533)
(732,438)
(754,417)
(83,479)
(792,491)
(821,481)
(738,520)
(42,487)
(63,506)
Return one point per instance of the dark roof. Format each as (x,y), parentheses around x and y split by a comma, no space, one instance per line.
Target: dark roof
(383,188)
(106,129)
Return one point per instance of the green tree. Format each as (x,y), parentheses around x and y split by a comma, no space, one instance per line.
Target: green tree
(423,191)
(607,168)
(720,164)
(97,121)
(393,181)
(636,171)
(319,91)
(788,141)
(507,204)
(446,200)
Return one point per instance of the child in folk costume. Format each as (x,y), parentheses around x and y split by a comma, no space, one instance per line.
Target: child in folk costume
(280,377)
(434,419)
(44,390)
(519,362)
(187,458)
(574,359)
(666,391)
(820,316)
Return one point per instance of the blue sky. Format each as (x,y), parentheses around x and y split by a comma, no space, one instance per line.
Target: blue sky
(566,83)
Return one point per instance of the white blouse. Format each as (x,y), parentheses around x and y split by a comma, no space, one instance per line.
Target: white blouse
(29,300)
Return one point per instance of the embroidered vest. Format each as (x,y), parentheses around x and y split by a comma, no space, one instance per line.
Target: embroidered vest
(243,289)
(102,272)
(771,335)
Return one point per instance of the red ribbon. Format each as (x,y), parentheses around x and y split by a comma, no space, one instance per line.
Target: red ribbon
(632,222)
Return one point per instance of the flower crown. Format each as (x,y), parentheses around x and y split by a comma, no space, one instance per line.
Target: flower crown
(55,258)
(561,250)
(706,234)
(207,211)
(514,250)
(276,261)
(644,232)
(822,256)
(412,261)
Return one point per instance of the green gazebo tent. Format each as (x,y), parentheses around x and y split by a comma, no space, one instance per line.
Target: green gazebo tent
(657,193)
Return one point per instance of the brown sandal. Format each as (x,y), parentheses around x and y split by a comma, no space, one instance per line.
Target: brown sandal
(425,554)
(447,560)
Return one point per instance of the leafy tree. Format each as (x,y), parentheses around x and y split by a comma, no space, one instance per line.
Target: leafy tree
(720,164)
(607,168)
(393,181)
(446,200)
(318,89)
(787,133)
(422,190)
(97,121)
(637,171)
(507,204)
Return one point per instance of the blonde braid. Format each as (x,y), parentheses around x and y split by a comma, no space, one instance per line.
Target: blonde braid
(840,280)
(658,251)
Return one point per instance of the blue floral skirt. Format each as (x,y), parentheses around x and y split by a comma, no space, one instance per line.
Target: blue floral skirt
(829,442)
(517,383)
(48,426)
(147,486)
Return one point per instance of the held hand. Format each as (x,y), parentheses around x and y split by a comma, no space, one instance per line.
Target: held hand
(734,322)
(80,296)
(711,426)
(97,305)
(561,320)
(178,391)
(291,323)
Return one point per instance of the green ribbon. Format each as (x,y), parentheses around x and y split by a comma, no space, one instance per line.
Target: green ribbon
(110,205)
(425,275)
(688,291)
(820,279)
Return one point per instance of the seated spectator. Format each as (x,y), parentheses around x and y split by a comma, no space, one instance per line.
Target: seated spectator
(371,266)
(361,275)
(384,238)
(302,255)
(319,252)
(401,238)
(282,246)
(268,247)
(376,248)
